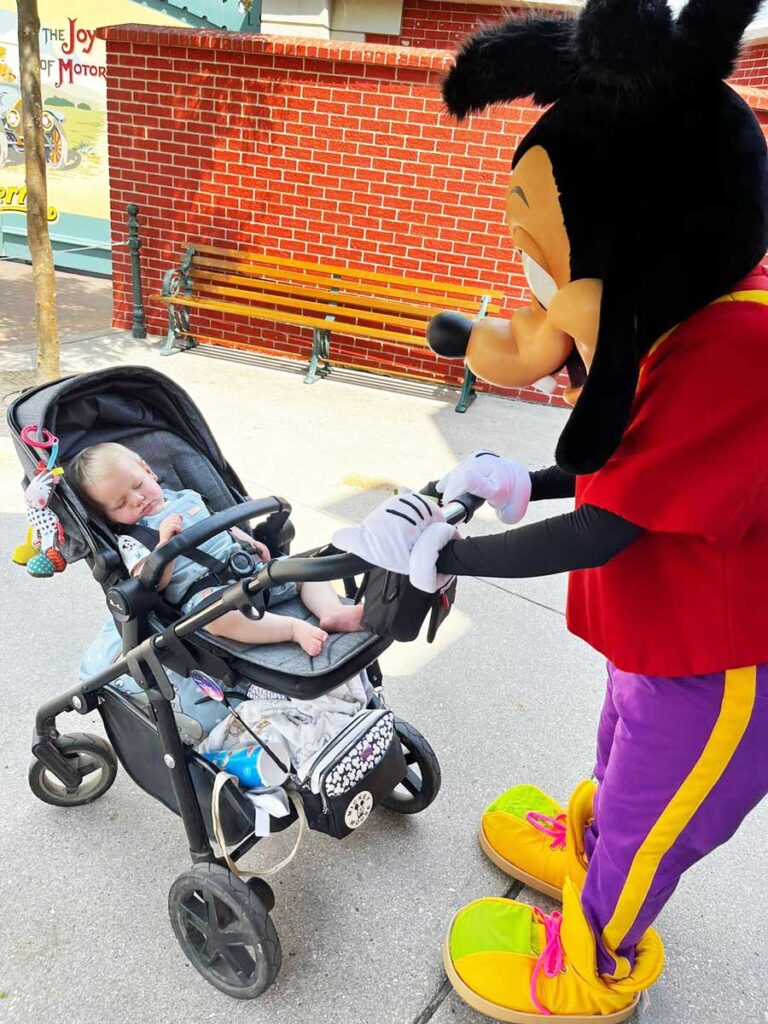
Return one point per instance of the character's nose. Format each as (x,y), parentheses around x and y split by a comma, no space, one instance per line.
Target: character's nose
(448,334)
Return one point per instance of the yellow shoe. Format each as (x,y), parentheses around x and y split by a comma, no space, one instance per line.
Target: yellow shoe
(514,963)
(528,835)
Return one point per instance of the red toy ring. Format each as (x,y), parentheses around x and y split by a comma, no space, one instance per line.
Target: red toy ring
(49,440)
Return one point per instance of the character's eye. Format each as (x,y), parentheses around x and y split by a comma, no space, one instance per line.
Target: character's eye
(539,281)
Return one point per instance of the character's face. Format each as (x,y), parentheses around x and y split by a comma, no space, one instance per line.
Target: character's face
(128,492)
(561,323)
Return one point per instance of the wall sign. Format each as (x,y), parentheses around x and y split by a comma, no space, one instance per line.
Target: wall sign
(73,78)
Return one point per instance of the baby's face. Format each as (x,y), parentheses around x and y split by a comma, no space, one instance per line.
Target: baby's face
(128,492)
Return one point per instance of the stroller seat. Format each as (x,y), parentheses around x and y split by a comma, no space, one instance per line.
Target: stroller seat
(287,669)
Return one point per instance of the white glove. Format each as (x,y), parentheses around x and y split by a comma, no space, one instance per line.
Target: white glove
(504,483)
(405,534)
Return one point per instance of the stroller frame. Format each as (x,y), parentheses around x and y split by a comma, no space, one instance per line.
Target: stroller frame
(237,948)
(144,661)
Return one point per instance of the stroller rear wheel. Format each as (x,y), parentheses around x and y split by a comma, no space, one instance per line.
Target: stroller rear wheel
(94,760)
(225,931)
(422,781)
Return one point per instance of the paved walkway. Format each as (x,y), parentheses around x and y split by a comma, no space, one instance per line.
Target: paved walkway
(504,695)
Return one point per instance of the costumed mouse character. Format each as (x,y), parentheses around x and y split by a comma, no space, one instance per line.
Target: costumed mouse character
(639,203)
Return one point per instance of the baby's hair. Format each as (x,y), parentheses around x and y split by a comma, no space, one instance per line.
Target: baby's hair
(88,469)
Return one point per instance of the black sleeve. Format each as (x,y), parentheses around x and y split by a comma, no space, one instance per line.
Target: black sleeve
(583,539)
(552,482)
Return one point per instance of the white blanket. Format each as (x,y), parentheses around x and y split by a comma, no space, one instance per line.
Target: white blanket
(304,727)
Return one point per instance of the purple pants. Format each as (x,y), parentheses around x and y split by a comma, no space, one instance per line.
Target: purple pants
(680,764)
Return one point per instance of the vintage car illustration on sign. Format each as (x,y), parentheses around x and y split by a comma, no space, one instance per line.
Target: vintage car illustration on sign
(11,135)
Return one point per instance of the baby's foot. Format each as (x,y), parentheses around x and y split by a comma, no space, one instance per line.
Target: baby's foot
(345,620)
(308,637)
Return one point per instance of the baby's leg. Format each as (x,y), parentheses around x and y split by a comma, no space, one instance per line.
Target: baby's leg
(323,601)
(271,629)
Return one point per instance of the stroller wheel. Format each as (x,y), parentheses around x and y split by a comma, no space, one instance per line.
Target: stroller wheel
(225,931)
(422,782)
(95,762)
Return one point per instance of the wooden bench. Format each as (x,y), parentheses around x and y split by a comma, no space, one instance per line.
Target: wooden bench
(346,300)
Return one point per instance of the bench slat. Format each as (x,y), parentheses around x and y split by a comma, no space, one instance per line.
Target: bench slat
(364,275)
(346,298)
(351,286)
(256,313)
(263,299)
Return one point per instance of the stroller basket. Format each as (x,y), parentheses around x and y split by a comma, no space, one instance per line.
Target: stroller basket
(132,733)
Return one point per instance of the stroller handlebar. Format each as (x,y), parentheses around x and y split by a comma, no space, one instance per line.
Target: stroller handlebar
(328,563)
(320,565)
(193,536)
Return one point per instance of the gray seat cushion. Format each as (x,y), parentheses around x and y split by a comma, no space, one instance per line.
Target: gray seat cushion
(290,658)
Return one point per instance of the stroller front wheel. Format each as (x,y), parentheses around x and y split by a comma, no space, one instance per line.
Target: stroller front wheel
(422,781)
(93,759)
(225,931)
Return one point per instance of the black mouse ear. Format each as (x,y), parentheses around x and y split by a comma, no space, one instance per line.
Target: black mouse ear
(522,57)
(709,33)
(620,43)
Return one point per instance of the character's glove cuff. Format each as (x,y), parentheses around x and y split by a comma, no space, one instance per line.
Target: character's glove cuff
(422,567)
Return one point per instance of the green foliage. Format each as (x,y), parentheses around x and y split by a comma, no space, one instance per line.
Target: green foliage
(83,106)
(58,101)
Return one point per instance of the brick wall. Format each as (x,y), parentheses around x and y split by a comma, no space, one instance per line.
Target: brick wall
(427,23)
(309,149)
(752,69)
(442,24)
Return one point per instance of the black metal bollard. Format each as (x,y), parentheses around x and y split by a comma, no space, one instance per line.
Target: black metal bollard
(134,244)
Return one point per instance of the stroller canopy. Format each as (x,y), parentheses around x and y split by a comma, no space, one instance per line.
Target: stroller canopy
(135,406)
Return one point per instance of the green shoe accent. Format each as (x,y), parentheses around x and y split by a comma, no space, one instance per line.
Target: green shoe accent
(493,926)
(519,800)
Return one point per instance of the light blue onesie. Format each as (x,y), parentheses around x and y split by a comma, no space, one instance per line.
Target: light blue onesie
(192,509)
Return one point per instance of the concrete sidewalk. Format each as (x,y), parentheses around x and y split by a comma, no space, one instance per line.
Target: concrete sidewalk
(504,695)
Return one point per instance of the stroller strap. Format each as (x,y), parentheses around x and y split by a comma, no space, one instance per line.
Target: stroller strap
(218,573)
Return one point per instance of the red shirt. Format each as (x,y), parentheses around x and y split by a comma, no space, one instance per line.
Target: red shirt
(690,596)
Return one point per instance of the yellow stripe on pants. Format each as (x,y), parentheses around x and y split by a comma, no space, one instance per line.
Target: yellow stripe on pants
(735,712)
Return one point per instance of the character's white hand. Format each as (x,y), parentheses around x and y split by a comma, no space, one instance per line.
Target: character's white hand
(405,535)
(504,483)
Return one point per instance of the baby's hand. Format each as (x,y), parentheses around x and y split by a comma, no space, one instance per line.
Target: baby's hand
(169,527)
(261,550)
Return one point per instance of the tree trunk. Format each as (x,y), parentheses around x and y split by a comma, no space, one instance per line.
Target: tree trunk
(37,192)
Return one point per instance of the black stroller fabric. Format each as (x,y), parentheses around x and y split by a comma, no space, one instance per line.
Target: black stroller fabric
(132,405)
(395,609)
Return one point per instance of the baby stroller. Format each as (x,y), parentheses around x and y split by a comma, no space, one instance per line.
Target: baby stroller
(222,922)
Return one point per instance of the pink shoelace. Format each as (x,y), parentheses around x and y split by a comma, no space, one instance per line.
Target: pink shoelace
(554,827)
(551,959)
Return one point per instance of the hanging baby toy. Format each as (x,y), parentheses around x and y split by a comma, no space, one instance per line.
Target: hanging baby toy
(41,550)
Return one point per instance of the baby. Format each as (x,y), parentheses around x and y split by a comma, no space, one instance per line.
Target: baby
(120,484)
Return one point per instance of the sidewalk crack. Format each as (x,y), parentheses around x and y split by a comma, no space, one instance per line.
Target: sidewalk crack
(522,597)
